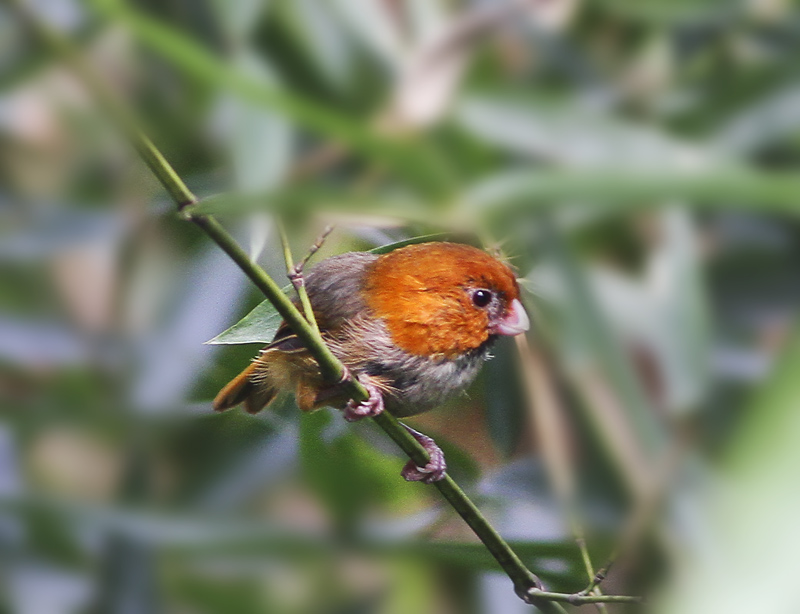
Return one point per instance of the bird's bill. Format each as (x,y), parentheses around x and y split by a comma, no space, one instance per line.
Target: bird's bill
(515,321)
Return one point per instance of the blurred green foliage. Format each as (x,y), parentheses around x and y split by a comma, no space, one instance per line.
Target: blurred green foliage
(636,161)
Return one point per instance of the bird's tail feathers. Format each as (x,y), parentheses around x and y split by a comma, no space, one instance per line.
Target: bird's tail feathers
(242,389)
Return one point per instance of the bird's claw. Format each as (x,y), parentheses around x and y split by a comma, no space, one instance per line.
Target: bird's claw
(436,467)
(369,408)
(433,471)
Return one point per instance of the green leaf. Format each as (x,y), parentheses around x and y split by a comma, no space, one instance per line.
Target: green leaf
(439,236)
(569,136)
(744,188)
(261,141)
(258,326)
(773,118)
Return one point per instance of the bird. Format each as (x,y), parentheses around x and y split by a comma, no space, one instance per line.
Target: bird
(413,326)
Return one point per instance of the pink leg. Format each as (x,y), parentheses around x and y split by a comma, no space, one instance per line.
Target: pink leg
(436,467)
(365,409)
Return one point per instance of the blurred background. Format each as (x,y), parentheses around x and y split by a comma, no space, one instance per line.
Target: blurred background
(634,161)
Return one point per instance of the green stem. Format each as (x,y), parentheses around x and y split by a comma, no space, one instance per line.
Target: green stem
(300,288)
(579,599)
(600,575)
(580,539)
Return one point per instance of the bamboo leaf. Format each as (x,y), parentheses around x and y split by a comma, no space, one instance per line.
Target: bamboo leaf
(727,187)
(771,119)
(439,236)
(258,326)
(573,137)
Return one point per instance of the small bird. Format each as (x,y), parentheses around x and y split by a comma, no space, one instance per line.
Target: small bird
(413,326)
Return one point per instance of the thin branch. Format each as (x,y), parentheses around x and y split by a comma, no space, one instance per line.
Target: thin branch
(295,276)
(298,268)
(526,584)
(580,599)
(601,574)
(580,539)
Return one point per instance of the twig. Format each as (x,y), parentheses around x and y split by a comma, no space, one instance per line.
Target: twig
(296,271)
(331,369)
(580,599)
(298,268)
(295,276)
(544,406)
(580,540)
(601,574)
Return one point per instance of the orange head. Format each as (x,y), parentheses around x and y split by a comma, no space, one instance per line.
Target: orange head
(444,299)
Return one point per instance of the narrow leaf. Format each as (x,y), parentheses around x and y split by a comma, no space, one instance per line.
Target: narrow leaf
(439,236)
(258,326)
(732,186)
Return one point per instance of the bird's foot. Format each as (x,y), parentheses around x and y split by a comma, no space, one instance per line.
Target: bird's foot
(365,409)
(436,467)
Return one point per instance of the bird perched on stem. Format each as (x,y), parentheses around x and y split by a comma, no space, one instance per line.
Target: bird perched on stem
(413,326)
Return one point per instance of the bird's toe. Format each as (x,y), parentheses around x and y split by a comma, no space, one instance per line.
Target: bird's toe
(368,408)
(436,467)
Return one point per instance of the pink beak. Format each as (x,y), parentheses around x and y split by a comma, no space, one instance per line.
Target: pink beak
(514,323)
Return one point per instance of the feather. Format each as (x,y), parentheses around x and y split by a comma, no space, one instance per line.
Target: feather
(236,391)
(405,322)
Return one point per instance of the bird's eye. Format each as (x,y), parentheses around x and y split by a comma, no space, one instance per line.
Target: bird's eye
(481,298)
